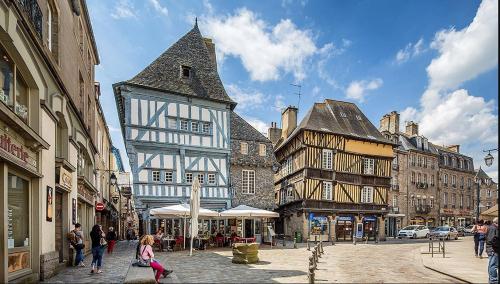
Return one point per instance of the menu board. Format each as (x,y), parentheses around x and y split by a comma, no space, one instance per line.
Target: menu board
(319,225)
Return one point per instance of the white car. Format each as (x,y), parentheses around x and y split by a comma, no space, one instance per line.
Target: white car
(414,232)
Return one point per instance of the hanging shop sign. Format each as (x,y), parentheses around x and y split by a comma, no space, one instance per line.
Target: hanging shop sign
(65,178)
(15,150)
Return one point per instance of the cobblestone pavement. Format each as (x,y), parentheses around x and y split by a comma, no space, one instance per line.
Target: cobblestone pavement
(115,267)
(392,261)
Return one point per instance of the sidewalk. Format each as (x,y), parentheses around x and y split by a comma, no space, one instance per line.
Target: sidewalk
(459,261)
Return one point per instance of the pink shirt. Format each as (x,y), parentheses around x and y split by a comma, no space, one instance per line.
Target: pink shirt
(147,253)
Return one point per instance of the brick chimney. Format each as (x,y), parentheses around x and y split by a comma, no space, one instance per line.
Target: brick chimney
(454,148)
(274,133)
(288,121)
(390,123)
(411,128)
(211,50)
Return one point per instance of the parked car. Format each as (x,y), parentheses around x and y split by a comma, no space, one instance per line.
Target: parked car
(414,232)
(468,230)
(445,232)
(461,231)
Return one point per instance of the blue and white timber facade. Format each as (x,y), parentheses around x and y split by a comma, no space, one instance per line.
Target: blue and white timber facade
(175,119)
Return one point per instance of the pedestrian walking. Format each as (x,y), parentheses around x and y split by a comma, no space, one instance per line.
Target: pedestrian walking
(75,238)
(492,251)
(476,238)
(482,230)
(111,238)
(147,256)
(98,242)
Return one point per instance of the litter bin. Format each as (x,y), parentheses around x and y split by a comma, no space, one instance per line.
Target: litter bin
(298,237)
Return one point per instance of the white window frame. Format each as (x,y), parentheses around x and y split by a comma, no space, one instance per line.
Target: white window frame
(184,125)
(367,194)
(169,176)
(327,190)
(368,166)
(262,149)
(394,201)
(327,161)
(205,127)
(155,176)
(189,177)
(244,148)
(445,198)
(211,179)
(248,181)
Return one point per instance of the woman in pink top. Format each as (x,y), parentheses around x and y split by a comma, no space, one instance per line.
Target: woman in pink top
(146,253)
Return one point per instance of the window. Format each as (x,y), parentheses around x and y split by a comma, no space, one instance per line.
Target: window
(461,164)
(394,201)
(445,158)
(169,177)
(412,159)
(469,200)
(367,194)
(419,161)
(82,36)
(206,127)
(454,162)
(358,117)
(461,200)
(425,162)
(453,180)
(445,179)
(488,205)
(425,178)
(156,176)
(432,180)
(248,182)
(14,91)
(184,125)
(342,114)
(368,165)
(412,178)
(419,178)
(195,126)
(244,148)
(488,193)
(469,182)
(412,203)
(172,123)
(327,159)
(18,219)
(52,29)
(462,182)
(211,178)
(189,177)
(201,178)
(431,202)
(262,149)
(445,198)
(185,72)
(327,190)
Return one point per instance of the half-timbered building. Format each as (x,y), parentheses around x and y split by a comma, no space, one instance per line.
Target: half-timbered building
(175,120)
(335,172)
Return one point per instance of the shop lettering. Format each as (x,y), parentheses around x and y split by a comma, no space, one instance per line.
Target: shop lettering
(7,145)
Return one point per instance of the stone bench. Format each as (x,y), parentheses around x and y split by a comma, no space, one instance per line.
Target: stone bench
(137,274)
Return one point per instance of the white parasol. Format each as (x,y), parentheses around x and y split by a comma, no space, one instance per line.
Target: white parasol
(195,208)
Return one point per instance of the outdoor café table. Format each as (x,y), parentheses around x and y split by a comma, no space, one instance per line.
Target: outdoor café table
(168,241)
(202,241)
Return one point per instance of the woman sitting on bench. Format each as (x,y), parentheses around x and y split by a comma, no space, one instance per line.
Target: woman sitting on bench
(147,255)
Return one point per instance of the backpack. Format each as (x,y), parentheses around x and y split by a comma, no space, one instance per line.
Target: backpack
(72,238)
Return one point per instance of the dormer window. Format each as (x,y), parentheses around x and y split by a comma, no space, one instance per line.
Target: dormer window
(342,114)
(185,72)
(358,117)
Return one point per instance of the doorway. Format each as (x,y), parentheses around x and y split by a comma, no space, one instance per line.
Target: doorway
(248,228)
(344,230)
(59,225)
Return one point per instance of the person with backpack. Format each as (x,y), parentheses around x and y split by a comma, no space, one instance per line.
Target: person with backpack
(492,251)
(75,238)
(111,238)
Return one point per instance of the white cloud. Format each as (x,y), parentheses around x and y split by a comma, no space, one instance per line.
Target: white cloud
(279,103)
(114,129)
(258,124)
(245,99)
(315,91)
(357,90)
(466,53)
(410,50)
(266,51)
(158,7)
(123,9)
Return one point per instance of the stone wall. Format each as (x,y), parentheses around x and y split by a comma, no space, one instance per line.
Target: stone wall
(49,264)
(264,191)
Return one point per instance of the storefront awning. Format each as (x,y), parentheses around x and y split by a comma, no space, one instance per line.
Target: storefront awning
(395,215)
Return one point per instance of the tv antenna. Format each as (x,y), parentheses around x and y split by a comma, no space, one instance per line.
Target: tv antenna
(299,94)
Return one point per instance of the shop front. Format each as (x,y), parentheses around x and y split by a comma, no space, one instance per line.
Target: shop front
(447,217)
(344,228)
(20,181)
(417,220)
(85,209)
(370,227)
(319,227)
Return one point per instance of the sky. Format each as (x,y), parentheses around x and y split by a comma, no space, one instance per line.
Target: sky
(435,62)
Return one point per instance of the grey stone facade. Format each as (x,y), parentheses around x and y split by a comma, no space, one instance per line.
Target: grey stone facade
(242,132)
(49,265)
(488,194)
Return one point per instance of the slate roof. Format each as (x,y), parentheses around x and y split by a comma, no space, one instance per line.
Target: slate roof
(242,130)
(410,143)
(191,51)
(481,174)
(338,117)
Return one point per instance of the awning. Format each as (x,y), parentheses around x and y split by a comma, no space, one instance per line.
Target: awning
(247,211)
(180,210)
(492,212)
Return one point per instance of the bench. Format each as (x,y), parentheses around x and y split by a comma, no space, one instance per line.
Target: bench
(137,274)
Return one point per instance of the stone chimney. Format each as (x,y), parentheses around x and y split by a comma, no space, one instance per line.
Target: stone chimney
(274,133)
(411,128)
(288,121)
(390,123)
(211,51)
(454,148)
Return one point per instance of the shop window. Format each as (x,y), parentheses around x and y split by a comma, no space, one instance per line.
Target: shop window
(18,230)
(248,182)
(14,91)
(327,159)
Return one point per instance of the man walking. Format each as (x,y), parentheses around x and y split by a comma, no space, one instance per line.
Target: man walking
(492,251)
(76,240)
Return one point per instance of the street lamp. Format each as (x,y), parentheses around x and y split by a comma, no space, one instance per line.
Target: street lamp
(488,159)
(112,179)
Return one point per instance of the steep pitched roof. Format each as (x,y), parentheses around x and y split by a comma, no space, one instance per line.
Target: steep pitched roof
(242,130)
(341,118)
(190,51)
(481,174)
(410,143)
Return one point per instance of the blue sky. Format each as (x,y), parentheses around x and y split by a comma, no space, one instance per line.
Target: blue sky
(436,62)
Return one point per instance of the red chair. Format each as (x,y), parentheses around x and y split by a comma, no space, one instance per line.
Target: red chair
(179,241)
(219,241)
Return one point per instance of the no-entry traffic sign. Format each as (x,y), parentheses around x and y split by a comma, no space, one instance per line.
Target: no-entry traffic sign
(99,206)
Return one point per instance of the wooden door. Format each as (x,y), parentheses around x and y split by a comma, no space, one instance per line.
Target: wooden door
(59,225)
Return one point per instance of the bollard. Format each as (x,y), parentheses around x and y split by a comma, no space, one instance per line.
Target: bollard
(284,244)
(318,251)
(315,240)
(308,245)
(294,242)
(443,249)
(321,247)
(310,274)
(312,262)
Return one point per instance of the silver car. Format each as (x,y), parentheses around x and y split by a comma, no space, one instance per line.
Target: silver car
(445,232)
